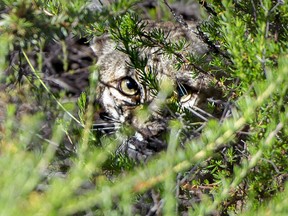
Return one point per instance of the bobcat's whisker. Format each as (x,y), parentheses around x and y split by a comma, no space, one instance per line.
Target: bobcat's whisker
(105,130)
(203,111)
(109,118)
(197,114)
(226,113)
(105,126)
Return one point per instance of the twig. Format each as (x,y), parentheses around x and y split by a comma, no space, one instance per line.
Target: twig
(48,90)
(254,11)
(207,7)
(178,18)
(266,35)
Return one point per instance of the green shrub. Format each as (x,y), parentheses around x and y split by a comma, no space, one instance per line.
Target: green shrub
(243,158)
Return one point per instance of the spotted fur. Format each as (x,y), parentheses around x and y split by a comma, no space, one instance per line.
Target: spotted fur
(121,108)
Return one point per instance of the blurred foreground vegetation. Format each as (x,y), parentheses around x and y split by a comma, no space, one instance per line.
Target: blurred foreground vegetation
(52,164)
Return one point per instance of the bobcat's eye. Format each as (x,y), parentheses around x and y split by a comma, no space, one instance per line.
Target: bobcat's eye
(184,94)
(128,86)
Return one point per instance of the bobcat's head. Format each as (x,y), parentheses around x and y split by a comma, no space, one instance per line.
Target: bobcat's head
(124,95)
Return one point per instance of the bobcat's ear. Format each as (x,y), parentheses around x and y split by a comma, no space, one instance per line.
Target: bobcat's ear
(102,45)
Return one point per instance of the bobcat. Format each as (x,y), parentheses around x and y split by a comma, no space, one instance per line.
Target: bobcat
(123,94)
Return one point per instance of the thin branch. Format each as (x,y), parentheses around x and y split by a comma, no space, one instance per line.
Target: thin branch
(178,18)
(207,7)
(48,90)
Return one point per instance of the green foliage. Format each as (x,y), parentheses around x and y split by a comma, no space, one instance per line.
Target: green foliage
(242,159)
